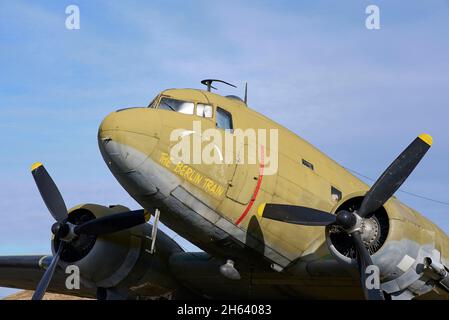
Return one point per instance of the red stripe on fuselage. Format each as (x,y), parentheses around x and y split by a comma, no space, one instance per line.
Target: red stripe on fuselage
(256,190)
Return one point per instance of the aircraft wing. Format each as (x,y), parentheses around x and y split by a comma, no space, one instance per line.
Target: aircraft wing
(199,274)
(24,272)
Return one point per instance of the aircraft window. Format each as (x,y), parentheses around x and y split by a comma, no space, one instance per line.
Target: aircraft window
(336,194)
(177,105)
(204,110)
(224,119)
(308,164)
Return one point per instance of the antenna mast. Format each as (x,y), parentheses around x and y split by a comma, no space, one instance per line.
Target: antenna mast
(246,93)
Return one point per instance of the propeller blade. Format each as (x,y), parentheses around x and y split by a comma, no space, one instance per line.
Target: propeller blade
(364,260)
(49,192)
(113,223)
(48,275)
(295,214)
(395,175)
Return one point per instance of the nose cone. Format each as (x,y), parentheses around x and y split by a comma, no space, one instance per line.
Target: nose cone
(127,137)
(110,123)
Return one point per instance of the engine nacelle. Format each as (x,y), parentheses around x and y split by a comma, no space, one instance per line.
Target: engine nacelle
(106,260)
(119,260)
(400,241)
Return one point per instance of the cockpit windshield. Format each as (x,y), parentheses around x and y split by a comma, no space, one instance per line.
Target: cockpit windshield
(153,103)
(177,105)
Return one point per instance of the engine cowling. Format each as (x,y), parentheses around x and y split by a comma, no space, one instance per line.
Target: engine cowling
(400,241)
(374,235)
(106,260)
(119,265)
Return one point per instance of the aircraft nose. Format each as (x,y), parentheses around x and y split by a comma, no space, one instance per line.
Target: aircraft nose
(109,123)
(138,120)
(127,137)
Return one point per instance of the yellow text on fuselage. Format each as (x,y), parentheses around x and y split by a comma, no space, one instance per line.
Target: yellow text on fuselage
(193,176)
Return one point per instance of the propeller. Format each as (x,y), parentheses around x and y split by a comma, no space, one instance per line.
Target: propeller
(352,222)
(65,231)
(48,275)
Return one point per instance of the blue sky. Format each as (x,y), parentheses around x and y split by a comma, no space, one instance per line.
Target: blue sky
(359,95)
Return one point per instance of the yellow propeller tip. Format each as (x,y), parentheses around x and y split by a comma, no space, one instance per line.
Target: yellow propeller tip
(35,166)
(427,138)
(261,209)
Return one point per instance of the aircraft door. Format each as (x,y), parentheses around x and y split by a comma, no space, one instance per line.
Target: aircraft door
(244,180)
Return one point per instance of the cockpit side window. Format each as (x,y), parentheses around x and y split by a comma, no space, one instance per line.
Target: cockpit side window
(177,105)
(224,119)
(203,110)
